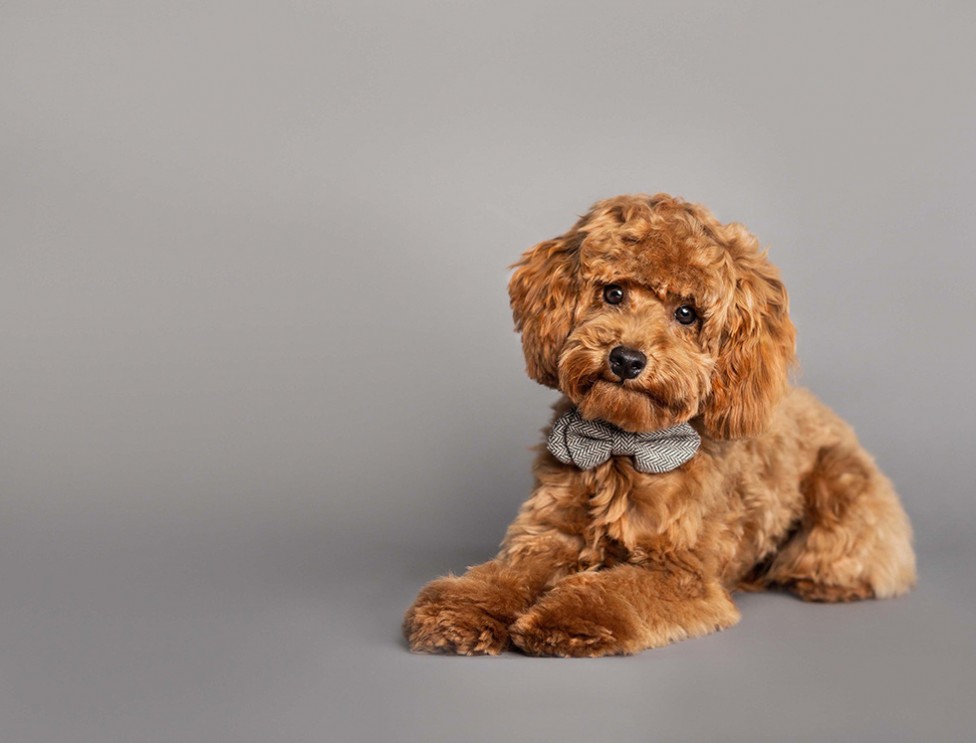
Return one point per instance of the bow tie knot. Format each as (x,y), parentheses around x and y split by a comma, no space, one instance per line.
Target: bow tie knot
(588,443)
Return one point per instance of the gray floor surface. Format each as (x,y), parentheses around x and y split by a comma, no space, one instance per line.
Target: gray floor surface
(180,632)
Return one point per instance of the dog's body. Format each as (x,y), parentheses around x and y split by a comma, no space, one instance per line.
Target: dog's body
(646,314)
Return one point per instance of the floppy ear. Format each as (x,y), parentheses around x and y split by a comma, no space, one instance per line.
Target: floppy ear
(757,345)
(543,292)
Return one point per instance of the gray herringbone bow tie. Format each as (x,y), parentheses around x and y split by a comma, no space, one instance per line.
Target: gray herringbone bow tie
(575,440)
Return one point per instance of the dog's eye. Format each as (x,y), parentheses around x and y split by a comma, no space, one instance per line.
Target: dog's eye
(685,314)
(613,294)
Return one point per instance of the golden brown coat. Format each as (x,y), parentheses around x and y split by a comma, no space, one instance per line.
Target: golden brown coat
(611,560)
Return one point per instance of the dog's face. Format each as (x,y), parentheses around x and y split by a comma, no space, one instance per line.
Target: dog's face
(649,312)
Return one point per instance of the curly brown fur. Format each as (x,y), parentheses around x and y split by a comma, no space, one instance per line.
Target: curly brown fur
(612,560)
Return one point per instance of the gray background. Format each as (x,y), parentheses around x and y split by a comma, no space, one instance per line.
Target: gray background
(258,380)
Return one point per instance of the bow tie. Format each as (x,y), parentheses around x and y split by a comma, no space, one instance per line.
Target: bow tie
(575,440)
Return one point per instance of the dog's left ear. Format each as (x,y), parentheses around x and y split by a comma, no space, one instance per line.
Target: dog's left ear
(543,293)
(544,290)
(757,345)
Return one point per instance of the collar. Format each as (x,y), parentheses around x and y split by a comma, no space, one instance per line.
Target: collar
(588,443)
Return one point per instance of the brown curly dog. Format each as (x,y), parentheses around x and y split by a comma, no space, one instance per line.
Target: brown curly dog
(650,313)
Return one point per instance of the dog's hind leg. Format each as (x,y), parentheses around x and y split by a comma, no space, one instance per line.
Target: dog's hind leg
(854,541)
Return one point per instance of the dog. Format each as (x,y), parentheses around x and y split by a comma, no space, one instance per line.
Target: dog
(681,465)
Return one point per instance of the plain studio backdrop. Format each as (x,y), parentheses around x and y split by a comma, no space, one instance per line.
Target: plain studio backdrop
(258,378)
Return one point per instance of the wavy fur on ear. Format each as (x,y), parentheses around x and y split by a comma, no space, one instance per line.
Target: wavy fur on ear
(543,295)
(544,290)
(757,346)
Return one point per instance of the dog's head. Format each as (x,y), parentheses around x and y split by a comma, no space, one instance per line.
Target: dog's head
(650,312)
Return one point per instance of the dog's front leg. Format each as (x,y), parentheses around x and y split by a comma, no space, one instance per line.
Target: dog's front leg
(470,614)
(623,610)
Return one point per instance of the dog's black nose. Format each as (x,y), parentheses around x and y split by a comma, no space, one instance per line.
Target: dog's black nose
(627,363)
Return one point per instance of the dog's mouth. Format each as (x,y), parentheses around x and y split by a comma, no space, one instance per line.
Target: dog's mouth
(627,386)
(627,405)
(661,395)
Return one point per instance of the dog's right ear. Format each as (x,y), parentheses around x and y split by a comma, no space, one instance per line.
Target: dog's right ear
(544,293)
(758,344)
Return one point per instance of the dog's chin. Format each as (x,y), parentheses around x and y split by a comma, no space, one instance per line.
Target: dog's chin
(626,407)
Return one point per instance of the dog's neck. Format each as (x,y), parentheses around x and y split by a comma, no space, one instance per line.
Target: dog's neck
(589,443)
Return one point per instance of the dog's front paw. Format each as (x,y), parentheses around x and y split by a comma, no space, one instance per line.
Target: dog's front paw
(450,617)
(576,620)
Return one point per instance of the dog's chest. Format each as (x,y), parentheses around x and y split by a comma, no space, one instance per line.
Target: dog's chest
(633,516)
